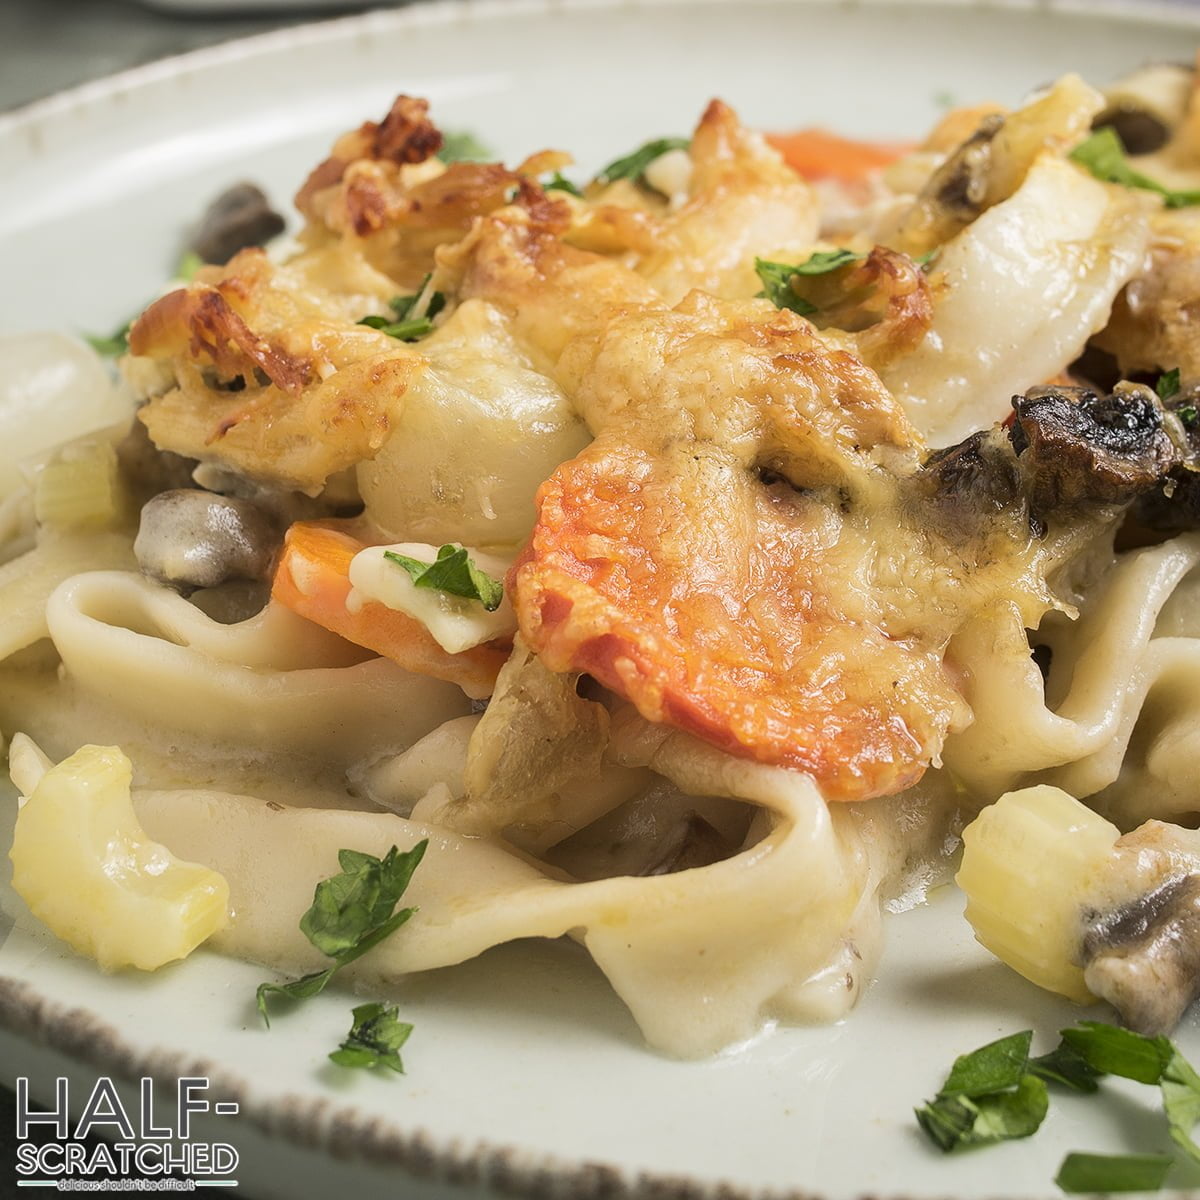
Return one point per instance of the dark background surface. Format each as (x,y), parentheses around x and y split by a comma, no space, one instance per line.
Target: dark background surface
(48,45)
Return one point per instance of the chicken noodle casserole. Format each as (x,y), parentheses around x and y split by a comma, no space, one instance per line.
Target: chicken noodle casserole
(686,557)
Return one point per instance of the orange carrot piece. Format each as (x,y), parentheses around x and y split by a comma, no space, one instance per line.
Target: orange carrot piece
(313,580)
(819,154)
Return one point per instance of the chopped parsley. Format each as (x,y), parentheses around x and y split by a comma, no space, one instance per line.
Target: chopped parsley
(1180,1087)
(351,913)
(1067,1068)
(989,1096)
(633,166)
(1109,1050)
(452,572)
(1168,384)
(1103,154)
(404,331)
(777,277)
(189,264)
(463,146)
(374,1039)
(961,1120)
(1113,1051)
(995,1067)
(998,1092)
(112,345)
(560,183)
(1113,1172)
(413,314)
(1168,387)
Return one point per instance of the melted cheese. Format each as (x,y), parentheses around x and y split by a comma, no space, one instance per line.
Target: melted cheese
(456,622)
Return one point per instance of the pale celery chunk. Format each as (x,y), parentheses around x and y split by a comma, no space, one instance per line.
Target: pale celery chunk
(1029,863)
(87,870)
(80,488)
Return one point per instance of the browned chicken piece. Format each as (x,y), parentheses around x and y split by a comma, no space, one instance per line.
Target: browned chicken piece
(1155,322)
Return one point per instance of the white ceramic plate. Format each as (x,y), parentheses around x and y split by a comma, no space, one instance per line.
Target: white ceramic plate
(525,1073)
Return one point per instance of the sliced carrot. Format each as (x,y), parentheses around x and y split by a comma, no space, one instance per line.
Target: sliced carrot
(313,580)
(819,154)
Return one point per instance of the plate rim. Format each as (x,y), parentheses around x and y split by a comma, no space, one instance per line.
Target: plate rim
(1177,13)
(339,1129)
(343,1131)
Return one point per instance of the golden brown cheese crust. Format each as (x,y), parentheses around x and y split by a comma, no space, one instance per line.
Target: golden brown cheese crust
(741,552)
(710,602)
(266,381)
(405,135)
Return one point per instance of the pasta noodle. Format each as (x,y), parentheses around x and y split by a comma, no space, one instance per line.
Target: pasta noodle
(826,530)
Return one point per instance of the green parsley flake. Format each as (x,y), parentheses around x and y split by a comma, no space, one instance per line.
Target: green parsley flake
(968,1111)
(1112,1051)
(351,913)
(374,1039)
(452,572)
(463,146)
(958,1121)
(995,1067)
(777,278)
(404,331)
(633,166)
(114,344)
(989,1096)
(1180,1086)
(414,314)
(1168,384)
(1113,1172)
(418,304)
(1066,1067)
(560,183)
(189,263)
(1103,154)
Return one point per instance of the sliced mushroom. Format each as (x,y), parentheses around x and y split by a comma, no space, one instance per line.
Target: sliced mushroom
(233,602)
(1140,933)
(979,474)
(956,193)
(1144,958)
(1077,447)
(239,217)
(1174,505)
(193,539)
(1140,131)
(1065,451)
(959,186)
(1145,107)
